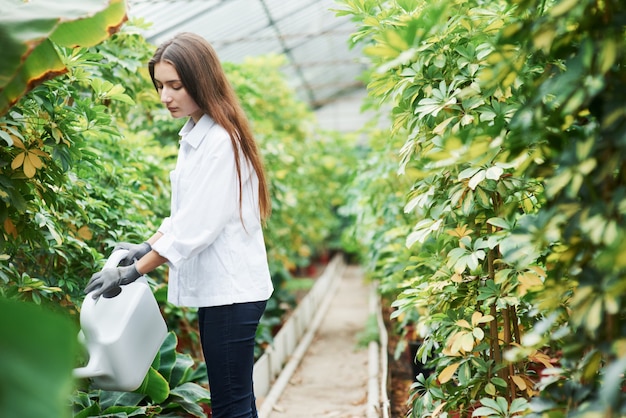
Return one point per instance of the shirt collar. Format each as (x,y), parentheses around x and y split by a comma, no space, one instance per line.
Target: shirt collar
(193,133)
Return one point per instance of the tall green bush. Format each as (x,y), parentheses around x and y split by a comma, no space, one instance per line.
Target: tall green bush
(573,121)
(67,197)
(507,109)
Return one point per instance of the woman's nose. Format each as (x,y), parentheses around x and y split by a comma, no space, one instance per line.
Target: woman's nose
(165,97)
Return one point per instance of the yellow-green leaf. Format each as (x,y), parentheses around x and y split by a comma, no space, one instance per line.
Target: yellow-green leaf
(34,160)
(463,324)
(544,38)
(29,168)
(592,366)
(467,342)
(447,373)
(85,233)
(593,318)
(29,56)
(562,7)
(519,382)
(18,160)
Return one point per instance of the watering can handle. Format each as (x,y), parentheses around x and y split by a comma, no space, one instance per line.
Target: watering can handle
(112,262)
(115,258)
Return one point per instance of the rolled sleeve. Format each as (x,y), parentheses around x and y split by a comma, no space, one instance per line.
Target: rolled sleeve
(164,246)
(165,226)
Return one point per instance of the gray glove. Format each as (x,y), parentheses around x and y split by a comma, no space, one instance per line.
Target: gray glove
(107,281)
(135,251)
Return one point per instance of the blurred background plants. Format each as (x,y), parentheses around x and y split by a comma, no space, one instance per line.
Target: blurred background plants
(84,163)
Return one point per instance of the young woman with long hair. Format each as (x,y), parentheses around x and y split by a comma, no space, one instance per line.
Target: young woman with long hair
(213,239)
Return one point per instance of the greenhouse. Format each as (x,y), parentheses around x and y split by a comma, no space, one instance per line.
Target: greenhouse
(324,208)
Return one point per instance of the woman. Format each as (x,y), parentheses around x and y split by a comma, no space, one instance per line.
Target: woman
(212,240)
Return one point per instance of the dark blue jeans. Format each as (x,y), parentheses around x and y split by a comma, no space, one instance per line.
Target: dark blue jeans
(227,335)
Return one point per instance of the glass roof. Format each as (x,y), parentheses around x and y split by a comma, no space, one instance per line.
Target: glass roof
(321,66)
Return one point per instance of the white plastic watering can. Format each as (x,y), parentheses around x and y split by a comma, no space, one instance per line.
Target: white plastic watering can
(122,334)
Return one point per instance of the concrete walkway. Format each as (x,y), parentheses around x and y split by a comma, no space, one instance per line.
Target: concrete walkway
(332,378)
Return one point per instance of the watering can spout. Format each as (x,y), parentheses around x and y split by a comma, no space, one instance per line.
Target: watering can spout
(93,369)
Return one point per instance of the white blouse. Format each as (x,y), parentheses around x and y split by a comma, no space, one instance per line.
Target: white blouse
(214,259)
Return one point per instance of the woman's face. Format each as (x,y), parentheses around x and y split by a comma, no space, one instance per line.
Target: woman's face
(173,93)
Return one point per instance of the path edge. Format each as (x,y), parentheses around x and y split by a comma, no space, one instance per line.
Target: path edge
(316,301)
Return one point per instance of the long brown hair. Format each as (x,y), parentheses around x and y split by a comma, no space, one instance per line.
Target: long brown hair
(203,77)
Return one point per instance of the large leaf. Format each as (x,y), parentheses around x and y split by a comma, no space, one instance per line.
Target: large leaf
(26,28)
(38,349)
(167,355)
(182,369)
(109,399)
(155,386)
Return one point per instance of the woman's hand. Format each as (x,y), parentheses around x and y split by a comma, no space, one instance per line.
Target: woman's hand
(108,279)
(135,251)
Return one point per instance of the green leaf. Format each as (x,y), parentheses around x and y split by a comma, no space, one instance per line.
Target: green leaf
(7,138)
(464,374)
(477,179)
(613,382)
(495,404)
(91,411)
(518,405)
(478,333)
(182,368)
(125,411)
(499,222)
(484,411)
(34,384)
(191,408)
(155,386)
(29,56)
(113,398)
(168,355)
(562,7)
(593,318)
(490,389)
(192,392)
(92,30)
(494,173)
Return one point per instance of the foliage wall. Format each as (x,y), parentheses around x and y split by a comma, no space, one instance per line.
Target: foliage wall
(508,257)
(86,156)
(84,163)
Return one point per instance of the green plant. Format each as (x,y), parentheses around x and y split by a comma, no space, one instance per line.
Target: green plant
(370,333)
(30,33)
(430,60)
(501,408)
(66,199)
(513,137)
(172,386)
(573,122)
(65,196)
(38,349)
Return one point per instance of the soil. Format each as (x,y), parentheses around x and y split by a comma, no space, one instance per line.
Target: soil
(400,370)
